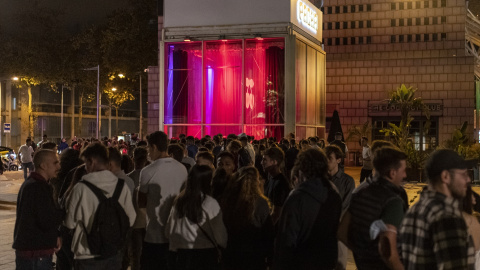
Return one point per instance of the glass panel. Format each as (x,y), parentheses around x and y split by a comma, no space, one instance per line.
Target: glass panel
(183,71)
(300,133)
(311,132)
(301,76)
(311,85)
(260,132)
(223,88)
(175,131)
(264,81)
(224,130)
(320,100)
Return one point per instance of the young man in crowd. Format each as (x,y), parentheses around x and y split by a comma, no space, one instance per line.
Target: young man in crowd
(338,142)
(345,185)
(433,234)
(82,205)
(36,235)
(26,154)
(276,187)
(205,158)
(367,160)
(160,183)
(306,237)
(379,205)
(140,159)
(191,148)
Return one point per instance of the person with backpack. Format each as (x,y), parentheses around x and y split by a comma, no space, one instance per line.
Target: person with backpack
(100,211)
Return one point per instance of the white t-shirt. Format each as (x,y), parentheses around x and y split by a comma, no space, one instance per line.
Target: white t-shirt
(25,153)
(185,234)
(161,182)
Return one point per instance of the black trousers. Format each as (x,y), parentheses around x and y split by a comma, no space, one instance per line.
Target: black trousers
(154,256)
(364,174)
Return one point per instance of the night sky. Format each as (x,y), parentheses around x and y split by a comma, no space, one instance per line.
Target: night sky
(77,13)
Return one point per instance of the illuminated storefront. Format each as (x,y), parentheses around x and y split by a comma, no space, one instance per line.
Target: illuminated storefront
(226,72)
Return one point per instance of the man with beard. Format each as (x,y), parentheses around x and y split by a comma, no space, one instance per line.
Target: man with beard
(433,234)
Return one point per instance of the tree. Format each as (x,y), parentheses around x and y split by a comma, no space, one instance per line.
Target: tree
(404,98)
(116,99)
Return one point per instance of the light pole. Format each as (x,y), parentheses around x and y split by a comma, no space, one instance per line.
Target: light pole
(141,109)
(99,100)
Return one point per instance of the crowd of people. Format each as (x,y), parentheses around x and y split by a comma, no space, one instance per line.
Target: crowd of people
(238,203)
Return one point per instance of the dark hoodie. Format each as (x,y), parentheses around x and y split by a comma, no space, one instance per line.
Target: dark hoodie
(307,230)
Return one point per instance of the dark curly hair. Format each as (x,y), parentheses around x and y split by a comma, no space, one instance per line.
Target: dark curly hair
(312,163)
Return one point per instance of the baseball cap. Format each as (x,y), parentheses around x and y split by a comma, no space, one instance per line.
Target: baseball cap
(446,159)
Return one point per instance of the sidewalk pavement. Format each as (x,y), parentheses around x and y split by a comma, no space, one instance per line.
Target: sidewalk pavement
(10,183)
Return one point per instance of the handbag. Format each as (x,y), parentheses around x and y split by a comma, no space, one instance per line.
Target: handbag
(212,240)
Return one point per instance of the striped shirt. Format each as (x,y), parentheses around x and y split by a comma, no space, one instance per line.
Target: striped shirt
(433,235)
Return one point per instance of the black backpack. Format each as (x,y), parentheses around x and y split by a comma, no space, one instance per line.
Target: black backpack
(110,223)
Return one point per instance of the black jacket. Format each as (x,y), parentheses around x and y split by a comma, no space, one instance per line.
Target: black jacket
(307,230)
(38,221)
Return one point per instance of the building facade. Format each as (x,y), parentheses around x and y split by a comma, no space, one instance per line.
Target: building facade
(374,46)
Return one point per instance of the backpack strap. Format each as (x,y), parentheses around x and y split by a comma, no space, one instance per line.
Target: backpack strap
(98,192)
(118,189)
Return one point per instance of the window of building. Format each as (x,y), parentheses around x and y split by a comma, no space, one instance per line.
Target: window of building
(400,6)
(409,5)
(435,37)
(418,21)
(426,4)
(421,139)
(352,24)
(426,21)
(360,24)
(400,22)
(345,25)
(369,39)
(434,3)
(337,25)
(329,41)
(418,37)
(393,39)
(369,7)
(393,6)
(418,5)
(409,21)
(393,22)
(337,9)
(444,36)
(329,26)
(369,24)
(435,20)
(401,38)
(352,40)
(444,3)
(337,41)
(345,9)
(409,38)
(352,8)
(444,19)
(345,41)
(329,10)
(360,40)
(360,8)
(426,37)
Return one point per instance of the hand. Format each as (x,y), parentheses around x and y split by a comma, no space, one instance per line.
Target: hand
(59,244)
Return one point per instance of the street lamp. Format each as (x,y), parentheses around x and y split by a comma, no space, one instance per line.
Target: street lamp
(99,100)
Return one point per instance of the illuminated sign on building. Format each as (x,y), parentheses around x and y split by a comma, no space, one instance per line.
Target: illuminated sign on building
(307,16)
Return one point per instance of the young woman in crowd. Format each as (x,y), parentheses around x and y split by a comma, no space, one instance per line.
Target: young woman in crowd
(248,221)
(195,226)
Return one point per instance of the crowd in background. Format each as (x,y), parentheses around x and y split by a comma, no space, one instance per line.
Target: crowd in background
(238,203)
